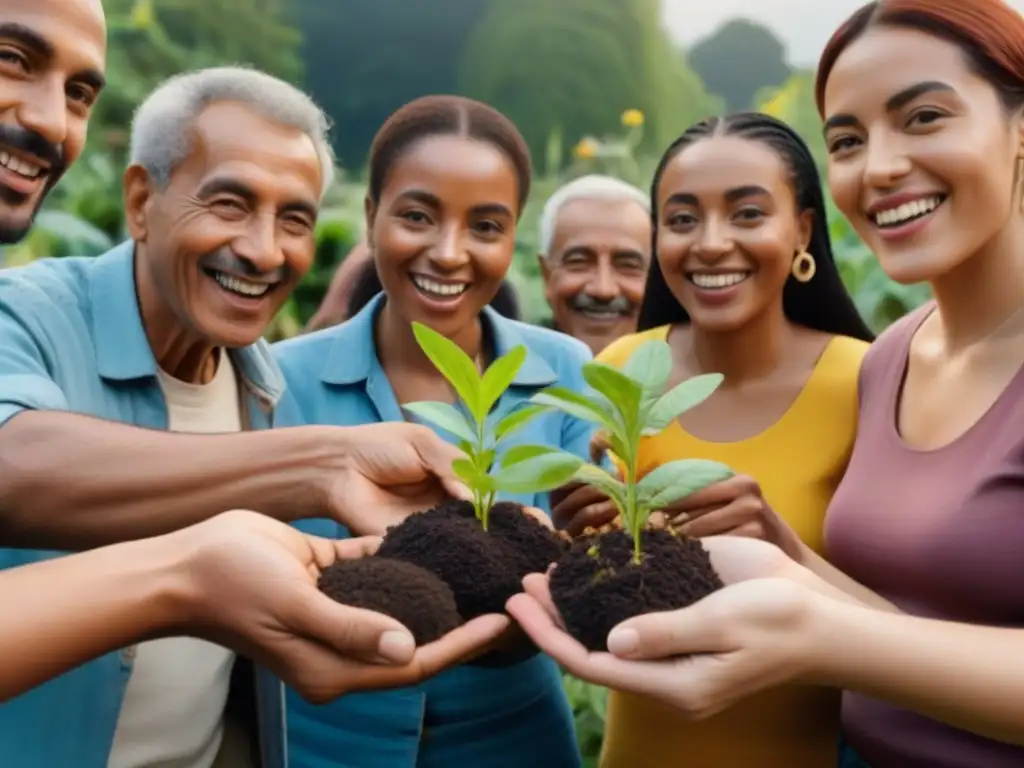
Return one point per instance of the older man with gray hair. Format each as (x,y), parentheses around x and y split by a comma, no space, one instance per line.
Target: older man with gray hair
(595,242)
(100,358)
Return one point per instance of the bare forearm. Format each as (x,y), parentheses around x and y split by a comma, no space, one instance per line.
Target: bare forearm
(64,612)
(73,482)
(829,573)
(970,677)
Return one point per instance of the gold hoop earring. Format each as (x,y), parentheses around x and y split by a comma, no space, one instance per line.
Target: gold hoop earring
(804,267)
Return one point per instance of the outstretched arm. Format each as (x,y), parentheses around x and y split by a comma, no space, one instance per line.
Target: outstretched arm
(242,580)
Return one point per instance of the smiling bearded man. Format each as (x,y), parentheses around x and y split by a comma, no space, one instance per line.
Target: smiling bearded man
(46,43)
(595,251)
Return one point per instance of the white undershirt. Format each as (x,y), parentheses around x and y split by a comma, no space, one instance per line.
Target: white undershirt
(173,710)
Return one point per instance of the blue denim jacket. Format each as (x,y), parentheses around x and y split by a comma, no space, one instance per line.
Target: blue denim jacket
(517,717)
(71,339)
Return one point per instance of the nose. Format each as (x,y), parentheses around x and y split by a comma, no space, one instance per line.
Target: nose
(603,284)
(259,244)
(44,111)
(885,162)
(714,241)
(449,252)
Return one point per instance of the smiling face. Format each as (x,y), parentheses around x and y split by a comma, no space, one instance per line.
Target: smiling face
(922,154)
(226,241)
(594,276)
(51,72)
(443,232)
(728,230)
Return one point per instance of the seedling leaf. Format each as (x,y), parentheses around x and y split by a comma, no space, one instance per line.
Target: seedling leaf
(518,453)
(680,399)
(650,366)
(676,480)
(540,473)
(466,471)
(451,362)
(516,419)
(623,392)
(444,416)
(498,377)
(604,481)
(575,405)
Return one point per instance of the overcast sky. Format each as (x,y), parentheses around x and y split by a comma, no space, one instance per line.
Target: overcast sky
(803,25)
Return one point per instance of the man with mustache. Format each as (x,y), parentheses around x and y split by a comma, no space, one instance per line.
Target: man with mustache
(595,242)
(102,358)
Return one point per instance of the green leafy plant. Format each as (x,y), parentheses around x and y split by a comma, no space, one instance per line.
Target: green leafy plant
(522,469)
(627,405)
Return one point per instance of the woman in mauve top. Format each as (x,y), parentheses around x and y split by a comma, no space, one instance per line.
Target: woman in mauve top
(923,102)
(744,283)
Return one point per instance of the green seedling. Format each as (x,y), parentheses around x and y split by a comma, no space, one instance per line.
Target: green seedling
(627,405)
(523,469)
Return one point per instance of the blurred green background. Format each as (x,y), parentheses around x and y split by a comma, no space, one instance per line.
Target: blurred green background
(594,87)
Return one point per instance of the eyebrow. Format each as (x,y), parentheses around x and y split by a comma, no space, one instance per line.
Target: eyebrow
(429,198)
(587,250)
(43,48)
(893,103)
(731,195)
(228,186)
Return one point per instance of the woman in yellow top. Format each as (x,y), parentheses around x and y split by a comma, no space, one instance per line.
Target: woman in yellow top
(744,284)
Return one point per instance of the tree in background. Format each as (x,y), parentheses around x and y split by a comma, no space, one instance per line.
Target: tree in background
(738,60)
(366,58)
(570,68)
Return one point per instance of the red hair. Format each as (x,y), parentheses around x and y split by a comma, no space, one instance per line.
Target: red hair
(989,32)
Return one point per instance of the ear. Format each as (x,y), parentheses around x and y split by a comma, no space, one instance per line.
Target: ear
(545,268)
(370,209)
(138,197)
(804,229)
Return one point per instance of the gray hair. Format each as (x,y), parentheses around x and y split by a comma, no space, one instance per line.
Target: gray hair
(591,187)
(161,127)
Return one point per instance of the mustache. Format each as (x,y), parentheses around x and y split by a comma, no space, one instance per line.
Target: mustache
(31,143)
(584,302)
(226,260)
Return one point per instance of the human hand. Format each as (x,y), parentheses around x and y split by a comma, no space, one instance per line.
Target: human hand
(577,507)
(390,471)
(733,507)
(743,639)
(250,584)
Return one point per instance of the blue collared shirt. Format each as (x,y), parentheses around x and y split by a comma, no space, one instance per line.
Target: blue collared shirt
(487,718)
(72,339)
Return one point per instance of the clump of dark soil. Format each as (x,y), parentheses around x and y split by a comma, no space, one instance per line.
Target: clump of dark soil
(482,568)
(405,592)
(596,586)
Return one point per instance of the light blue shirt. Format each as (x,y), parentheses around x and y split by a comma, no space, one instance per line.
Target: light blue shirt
(517,717)
(72,339)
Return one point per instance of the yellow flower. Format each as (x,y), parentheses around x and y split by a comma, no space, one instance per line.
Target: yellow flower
(586,148)
(142,14)
(632,118)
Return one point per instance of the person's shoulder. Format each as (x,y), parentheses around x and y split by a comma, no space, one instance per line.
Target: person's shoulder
(893,344)
(48,293)
(619,351)
(845,353)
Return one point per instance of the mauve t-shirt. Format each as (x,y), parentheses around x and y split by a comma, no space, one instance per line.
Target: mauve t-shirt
(939,533)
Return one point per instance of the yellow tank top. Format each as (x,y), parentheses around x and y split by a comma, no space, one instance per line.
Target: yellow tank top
(798,461)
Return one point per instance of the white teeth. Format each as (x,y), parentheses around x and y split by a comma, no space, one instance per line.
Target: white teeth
(907,211)
(21,167)
(243,287)
(720,280)
(439,289)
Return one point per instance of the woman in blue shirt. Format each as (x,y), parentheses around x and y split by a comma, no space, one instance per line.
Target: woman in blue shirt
(448,181)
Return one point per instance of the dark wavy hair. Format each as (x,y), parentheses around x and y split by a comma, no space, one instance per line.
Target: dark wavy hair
(822,303)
